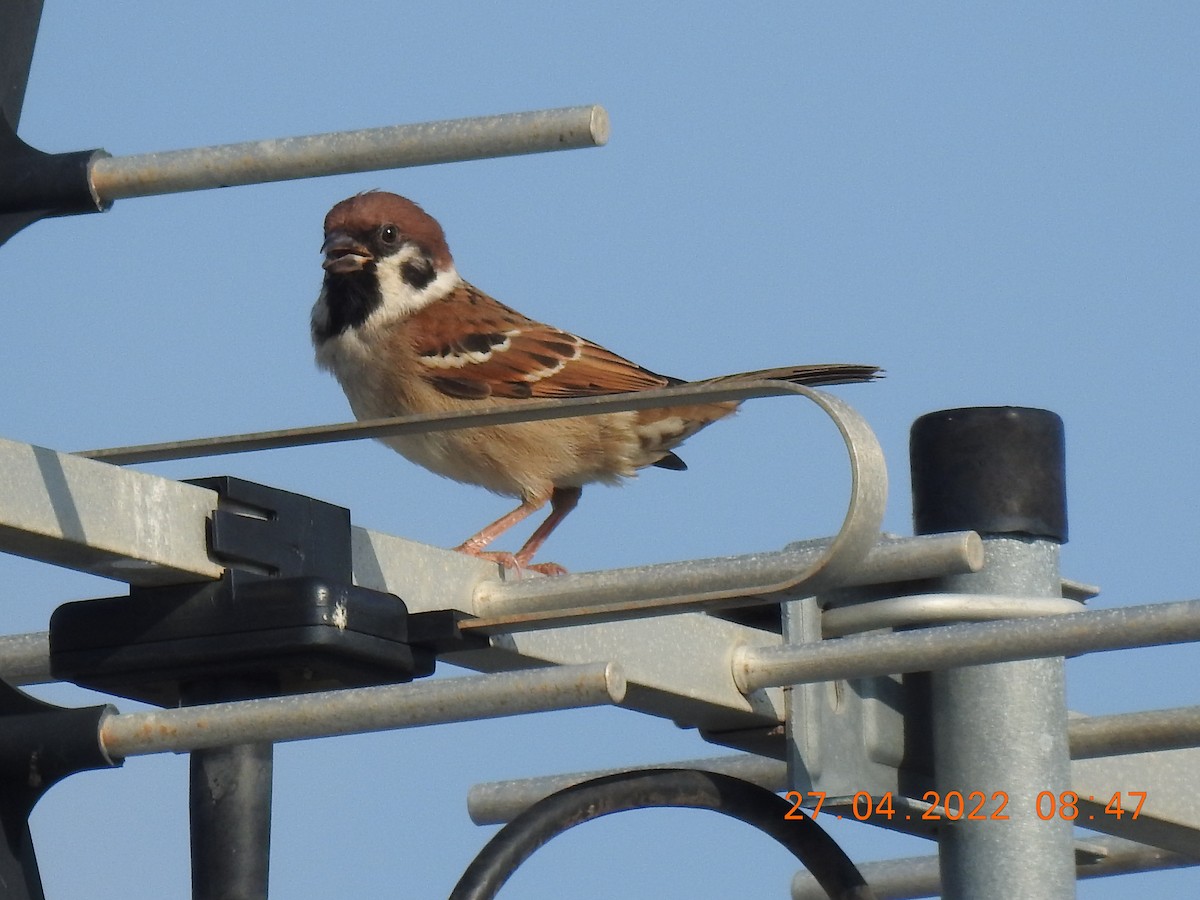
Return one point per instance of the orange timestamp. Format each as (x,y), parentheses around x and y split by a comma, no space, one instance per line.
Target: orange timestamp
(956,806)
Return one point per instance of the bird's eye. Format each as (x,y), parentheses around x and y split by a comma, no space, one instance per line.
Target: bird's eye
(389,234)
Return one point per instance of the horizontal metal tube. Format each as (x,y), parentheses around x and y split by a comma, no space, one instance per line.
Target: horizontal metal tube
(917,876)
(254,162)
(359,710)
(1140,732)
(931,609)
(25,658)
(892,559)
(519,411)
(953,646)
(499,801)
(494,802)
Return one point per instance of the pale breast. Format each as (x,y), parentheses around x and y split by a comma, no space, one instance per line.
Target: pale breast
(522,460)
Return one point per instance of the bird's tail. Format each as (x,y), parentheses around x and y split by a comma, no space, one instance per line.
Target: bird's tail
(811,375)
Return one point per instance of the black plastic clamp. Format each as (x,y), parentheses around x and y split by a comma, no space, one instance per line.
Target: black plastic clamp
(33,184)
(40,744)
(285,617)
(37,185)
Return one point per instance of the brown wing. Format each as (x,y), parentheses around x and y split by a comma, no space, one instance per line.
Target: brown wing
(471,346)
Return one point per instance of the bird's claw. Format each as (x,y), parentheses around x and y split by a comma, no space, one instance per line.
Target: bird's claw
(512,562)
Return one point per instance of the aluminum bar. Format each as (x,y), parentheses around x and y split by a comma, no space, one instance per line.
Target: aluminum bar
(891,559)
(85,515)
(836,562)
(1139,732)
(917,876)
(1167,784)
(495,802)
(930,609)
(254,162)
(950,646)
(499,801)
(358,710)
(25,658)
(518,411)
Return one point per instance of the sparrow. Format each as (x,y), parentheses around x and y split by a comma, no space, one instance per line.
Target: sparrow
(404,333)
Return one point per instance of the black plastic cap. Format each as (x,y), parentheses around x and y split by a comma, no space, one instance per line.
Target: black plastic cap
(991,469)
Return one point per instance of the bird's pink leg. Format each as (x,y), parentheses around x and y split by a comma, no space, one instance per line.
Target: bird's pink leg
(473,546)
(562,501)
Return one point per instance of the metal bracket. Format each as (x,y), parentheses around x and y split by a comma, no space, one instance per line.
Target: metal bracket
(574,600)
(284,617)
(40,744)
(33,184)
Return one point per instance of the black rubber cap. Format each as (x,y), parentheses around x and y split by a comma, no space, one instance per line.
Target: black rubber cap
(991,469)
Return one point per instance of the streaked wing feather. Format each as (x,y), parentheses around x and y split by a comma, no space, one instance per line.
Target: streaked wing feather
(473,347)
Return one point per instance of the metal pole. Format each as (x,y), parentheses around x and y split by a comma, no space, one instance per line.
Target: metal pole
(999,730)
(229,806)
(230,815)
(428,143)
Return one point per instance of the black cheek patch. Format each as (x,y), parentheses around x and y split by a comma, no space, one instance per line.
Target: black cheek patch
(417,273)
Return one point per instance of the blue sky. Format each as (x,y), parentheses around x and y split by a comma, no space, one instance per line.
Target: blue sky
(999,204)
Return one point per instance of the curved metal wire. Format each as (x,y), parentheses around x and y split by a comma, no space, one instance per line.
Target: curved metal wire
(859,530)
(685,788)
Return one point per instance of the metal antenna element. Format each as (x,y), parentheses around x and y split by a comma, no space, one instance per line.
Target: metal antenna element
(342,152)
(36,185)
(721,586)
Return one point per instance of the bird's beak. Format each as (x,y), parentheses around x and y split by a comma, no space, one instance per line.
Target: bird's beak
(344,254)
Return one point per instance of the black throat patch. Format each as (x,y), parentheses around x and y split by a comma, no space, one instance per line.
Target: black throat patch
(350,299)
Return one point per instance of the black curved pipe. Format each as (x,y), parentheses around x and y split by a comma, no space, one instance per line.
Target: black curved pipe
(686,788)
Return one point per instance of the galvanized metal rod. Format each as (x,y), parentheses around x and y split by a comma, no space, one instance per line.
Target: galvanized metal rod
(949,646)
(889,560)
(858,533)
(1139,732)
(933,609)
(917,876)
(499,801)
(518,411)
(428,143)
(495,802)
(25,658)
(362,709)
(721,587)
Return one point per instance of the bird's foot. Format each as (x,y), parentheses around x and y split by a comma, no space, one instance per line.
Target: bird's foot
(547,568)
(512,561)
